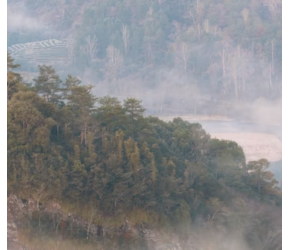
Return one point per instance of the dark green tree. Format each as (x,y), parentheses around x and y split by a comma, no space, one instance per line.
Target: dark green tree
(48,83)
(135,111)
(82,104)
(13,79)
(110,113)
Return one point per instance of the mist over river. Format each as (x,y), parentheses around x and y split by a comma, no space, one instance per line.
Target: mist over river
(232,126)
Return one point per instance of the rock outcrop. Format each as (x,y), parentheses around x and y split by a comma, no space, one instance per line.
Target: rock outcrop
(20,213)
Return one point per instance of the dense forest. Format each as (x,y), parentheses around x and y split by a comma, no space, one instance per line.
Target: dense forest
(100,154)
(79,134)
(200,55)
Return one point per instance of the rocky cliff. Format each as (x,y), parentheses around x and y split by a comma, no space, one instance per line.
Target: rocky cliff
(22,213)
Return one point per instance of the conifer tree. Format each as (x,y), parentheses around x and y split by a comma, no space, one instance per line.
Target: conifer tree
(135,159)
(13,79)
(110,113)
(81,102)
(77,176)
(135,111)
(48,84)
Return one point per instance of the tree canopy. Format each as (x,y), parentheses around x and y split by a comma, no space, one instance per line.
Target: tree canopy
(98,150)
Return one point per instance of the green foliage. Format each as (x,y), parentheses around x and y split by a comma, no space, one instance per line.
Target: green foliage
(135,111)
(47,84)
(13,79)
(81,102)
(262,180)
(110,112)
(80,154)
(181,218)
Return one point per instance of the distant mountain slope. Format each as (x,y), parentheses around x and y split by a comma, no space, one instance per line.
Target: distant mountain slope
(225,52)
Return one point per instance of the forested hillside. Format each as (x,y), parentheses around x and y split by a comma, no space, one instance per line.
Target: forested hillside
(173,54)
(99,154)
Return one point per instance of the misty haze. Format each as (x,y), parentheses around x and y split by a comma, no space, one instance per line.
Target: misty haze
(150,124)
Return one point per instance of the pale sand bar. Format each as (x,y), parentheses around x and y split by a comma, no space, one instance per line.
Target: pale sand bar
(255,145)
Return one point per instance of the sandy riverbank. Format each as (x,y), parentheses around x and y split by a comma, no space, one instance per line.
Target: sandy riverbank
(196,118)
(256,144)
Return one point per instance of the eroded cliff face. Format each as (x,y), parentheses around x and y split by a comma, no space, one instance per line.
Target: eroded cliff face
(16,219)
(52,227)
(22,214)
